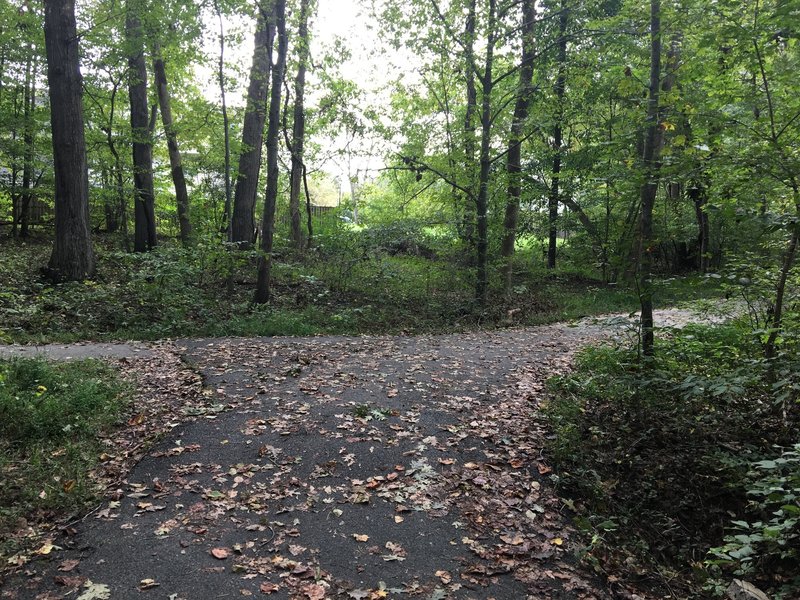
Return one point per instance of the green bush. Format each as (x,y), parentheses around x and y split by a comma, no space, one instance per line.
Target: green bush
(661,448)
(767,545)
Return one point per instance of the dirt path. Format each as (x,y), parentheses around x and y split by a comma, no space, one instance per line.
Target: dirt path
(356,468)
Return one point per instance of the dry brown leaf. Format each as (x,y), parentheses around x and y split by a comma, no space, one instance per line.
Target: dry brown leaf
(268,587)
(68,565)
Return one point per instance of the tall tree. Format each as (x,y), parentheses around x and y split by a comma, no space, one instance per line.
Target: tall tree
(29,102)
(299,125)
(176,164)
(652,168)
(226,134)
(514,159)
(470,71)
(263,290)
(558,137)
(244,200)
(142,125)
(487,118)
(72,257)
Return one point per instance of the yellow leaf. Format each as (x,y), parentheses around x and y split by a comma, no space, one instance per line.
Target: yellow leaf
(46,548)
(557,541)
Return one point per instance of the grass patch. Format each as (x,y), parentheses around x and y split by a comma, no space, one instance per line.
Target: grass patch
(656,455)
(51,418)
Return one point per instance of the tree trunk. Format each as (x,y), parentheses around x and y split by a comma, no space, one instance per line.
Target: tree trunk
(699,197)
(514,164)
(299,126)
(482,204)
(309,223)
(262,294)
(72,257)
(469,217)
(29,102)
(141,129)
(652,169)
(244,199)
(555,191)
(226,133)
(121,210)
(176,165)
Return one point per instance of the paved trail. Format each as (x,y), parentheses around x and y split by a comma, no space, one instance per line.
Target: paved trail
(356,468)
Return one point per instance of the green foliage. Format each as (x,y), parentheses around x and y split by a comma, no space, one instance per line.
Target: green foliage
(767,544)
(401,277)
(43,402)
(662,447)
(51,419)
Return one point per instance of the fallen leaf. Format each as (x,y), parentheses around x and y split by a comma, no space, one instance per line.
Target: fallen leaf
(313,591)
(514,540)
(46,548)
(360,537)
(146,584)
(71,582)
(220,553)
(95,591)
(398,519)
(268,587)
(557,541)
(444,576)
(68,565)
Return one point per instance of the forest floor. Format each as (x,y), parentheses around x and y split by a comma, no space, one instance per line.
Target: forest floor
(328,467)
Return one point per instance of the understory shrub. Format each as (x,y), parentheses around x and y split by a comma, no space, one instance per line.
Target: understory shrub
(656,453)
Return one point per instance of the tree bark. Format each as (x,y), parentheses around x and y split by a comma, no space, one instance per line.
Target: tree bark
(72,257)
(226,131)
(770,348)
(560,89)
(482,204)
(652,169)
(263,290)
(514,164)
(299,126)
(470,208)
(244,199)
(121,212)
(175,162)
(141,129)
(699,197)
(29,101)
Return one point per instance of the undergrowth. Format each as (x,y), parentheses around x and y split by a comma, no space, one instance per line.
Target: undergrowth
(656,455)
(51,417)
(350,283)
